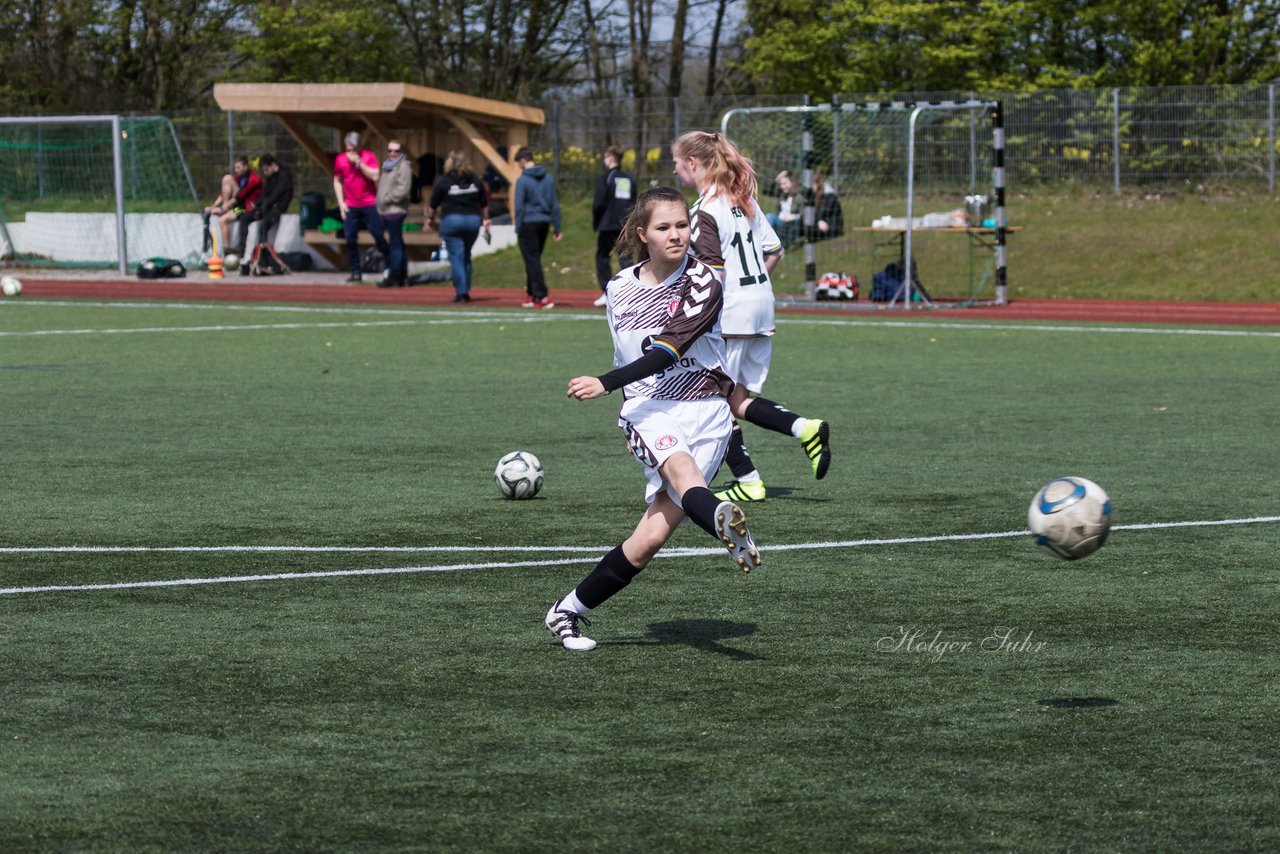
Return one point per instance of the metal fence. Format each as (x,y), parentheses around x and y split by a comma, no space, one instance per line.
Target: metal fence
(1117,138)
(1102,138)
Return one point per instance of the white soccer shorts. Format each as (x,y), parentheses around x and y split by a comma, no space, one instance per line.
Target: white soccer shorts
(656,429)
(747,361)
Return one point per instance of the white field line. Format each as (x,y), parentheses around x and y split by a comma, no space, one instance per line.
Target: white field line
(456,567)
(1014,326)
(241,327)
(456,316)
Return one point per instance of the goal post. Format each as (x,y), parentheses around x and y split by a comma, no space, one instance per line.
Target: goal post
(879,157)
(96,190)
(997,180)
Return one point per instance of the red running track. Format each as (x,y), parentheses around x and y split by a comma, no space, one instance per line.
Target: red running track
(312,291)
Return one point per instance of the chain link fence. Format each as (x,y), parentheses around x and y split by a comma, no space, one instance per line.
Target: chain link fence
(1098,138)
(1116,138)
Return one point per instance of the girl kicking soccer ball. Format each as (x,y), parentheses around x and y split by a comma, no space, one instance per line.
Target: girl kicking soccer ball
(664,314)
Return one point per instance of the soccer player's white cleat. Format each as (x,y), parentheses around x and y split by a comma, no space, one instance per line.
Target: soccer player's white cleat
(601,301)
(743,490)
(816,440)
(564,625)
(731,526)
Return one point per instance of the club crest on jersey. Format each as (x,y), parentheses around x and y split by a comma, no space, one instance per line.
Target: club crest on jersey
(673,306)
(667,441)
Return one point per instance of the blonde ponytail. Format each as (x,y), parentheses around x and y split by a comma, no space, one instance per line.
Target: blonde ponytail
(727,168)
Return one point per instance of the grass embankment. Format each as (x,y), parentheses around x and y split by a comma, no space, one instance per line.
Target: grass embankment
(1074,245)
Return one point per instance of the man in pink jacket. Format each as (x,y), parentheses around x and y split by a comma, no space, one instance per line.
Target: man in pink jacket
(355,183)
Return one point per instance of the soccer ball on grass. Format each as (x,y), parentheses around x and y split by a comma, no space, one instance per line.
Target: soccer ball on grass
(10,286)
(518,475)
(1070,517)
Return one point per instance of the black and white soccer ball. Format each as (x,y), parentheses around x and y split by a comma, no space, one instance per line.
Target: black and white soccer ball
(1070,517)
(518,475)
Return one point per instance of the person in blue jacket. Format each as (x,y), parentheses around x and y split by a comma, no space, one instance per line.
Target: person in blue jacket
(537,213)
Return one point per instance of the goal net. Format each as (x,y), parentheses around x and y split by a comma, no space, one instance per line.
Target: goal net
(916,184)
(96,191)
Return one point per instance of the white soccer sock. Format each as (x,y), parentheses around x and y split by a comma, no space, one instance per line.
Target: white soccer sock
(752,477)
(797,429)
(571,603)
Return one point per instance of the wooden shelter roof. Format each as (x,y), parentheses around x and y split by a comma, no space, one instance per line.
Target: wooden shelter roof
(339,105)
(418,115)
(387,110)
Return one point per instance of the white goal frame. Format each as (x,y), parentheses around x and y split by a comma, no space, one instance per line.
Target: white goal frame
(917,108)
(117,166)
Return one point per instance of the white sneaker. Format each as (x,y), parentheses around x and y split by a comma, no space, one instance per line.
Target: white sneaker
(601,301)
(564,625)
(731,525)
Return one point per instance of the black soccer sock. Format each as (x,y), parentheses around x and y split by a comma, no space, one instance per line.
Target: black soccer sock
(611,574)
(700,505)
(738,458)
(772,416)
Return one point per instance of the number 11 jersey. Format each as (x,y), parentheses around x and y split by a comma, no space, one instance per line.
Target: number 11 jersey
(735,244)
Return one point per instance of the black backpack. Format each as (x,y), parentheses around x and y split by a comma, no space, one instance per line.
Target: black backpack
(373,261)
(161,268)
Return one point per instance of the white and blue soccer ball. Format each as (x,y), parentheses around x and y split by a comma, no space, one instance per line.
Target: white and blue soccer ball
(1070,517)
(10,286)
(518,475)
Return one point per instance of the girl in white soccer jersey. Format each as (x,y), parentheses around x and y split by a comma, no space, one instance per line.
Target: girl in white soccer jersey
(664,314)
(732,235)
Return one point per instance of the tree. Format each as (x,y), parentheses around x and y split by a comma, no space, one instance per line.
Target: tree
(162,54)
(950,45)
(502,49)
(47,63)
(713,54)
(316,41)
(96,55)
(675,79)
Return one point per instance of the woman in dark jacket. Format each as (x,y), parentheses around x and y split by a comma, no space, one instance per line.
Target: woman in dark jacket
(460,204)
(615,194)
(828,220)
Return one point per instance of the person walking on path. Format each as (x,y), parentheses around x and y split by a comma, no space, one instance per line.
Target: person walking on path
(460,205)
(537,213)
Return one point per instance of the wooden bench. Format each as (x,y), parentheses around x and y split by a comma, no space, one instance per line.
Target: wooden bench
(419,245)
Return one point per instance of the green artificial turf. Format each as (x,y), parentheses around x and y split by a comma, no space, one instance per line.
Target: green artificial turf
(412,700)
